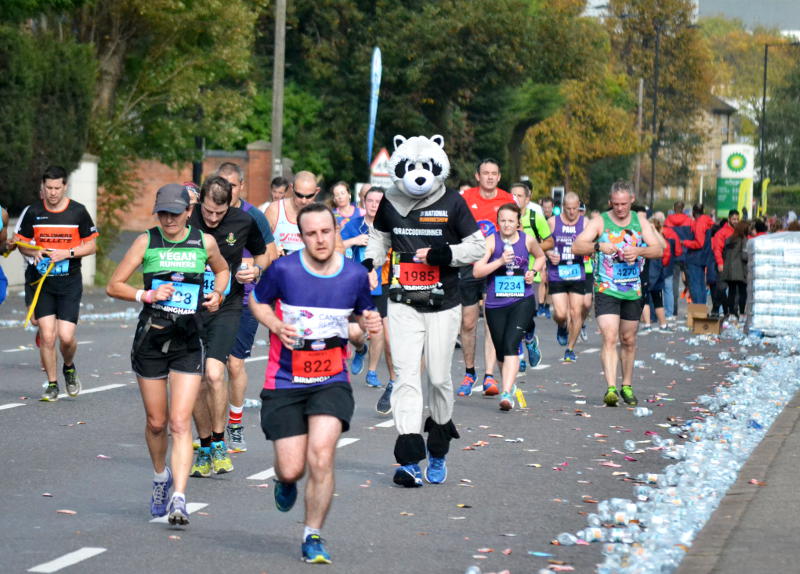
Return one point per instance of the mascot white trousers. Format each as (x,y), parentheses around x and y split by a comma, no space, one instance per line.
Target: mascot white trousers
(414,335)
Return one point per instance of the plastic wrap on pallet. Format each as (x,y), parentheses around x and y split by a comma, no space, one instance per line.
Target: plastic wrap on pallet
(773,283)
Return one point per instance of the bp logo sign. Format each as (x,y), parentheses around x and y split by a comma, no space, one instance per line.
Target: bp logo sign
(736,162)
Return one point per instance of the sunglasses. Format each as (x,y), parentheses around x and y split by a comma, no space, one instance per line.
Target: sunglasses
(305,196)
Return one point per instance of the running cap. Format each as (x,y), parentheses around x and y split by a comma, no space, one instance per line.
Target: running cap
(172,198)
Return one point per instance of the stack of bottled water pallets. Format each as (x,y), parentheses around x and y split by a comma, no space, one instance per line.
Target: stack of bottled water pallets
(773,284)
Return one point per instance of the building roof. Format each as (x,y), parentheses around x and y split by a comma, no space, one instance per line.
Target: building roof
(719,106)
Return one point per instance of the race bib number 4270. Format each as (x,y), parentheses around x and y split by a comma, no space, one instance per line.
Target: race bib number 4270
(626,272)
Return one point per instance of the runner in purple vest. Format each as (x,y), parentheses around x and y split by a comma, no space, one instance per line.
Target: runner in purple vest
(566,275)
(510,300)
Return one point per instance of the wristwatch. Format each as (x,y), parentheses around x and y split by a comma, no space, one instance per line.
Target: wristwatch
(597,247)
(72,252)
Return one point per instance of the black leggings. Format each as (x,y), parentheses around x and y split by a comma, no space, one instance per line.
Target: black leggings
(737,293)
(507,325)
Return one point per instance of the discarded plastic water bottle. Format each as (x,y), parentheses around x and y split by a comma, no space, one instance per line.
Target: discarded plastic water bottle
(507,247)
(642,412)
(252,403)
(591,534)
(630,445)
(472,570)
(566,539)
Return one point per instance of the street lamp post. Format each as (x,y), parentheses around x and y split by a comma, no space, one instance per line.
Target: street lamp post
(762,148)
(654,147)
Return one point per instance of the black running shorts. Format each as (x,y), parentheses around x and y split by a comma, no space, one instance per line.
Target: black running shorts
(627,309)
(60,296)
(220,330)
(285,412)
(577,287)
(164,348)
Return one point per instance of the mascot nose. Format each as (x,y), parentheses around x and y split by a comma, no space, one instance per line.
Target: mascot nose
(420,181)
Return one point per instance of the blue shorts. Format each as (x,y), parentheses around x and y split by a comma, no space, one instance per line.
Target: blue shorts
(246,335)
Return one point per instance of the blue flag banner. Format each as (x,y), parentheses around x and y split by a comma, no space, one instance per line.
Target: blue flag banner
(373,100)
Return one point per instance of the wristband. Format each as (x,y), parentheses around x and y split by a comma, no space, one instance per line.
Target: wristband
(139,293)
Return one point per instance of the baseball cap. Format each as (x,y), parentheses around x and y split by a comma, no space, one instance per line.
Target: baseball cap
(172,198)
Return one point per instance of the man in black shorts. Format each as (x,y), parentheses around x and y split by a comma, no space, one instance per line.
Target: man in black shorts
(234,230)
(307,401)
(63,232)
(237,374)
(566,275)
(622,239)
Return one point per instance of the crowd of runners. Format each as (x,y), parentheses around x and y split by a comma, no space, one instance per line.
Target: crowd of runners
(333,281)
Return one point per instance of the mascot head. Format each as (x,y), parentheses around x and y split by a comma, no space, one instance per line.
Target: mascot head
(419,166)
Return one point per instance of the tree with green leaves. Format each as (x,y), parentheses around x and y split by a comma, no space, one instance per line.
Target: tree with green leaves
(782,150)
(637,28)
(46,89)
(738,66)
(595,122)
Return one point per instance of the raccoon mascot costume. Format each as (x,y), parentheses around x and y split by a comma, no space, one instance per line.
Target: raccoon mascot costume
(431,233)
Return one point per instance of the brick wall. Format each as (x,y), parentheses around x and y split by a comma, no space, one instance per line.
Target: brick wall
(151,175)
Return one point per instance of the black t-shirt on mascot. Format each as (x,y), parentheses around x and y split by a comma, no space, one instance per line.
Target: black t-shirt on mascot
(445,222)
(237,231)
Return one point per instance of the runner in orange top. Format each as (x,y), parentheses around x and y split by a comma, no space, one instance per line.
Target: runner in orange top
(63,232)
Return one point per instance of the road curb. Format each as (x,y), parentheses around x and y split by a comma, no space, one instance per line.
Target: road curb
(710,543)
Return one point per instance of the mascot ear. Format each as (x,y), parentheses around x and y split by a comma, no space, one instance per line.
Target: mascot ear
(438,140)
(398,141)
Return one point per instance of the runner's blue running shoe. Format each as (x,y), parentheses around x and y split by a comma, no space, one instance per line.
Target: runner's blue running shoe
(465,389)
(534,354)
(409,476)
(522,364)
(158,502)
(384,405)
(372,380)
(314,550)
(569,356)
(285,495)
(562,335)
(357,365)
(436,473)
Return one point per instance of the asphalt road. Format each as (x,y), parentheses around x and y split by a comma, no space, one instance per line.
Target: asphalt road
(527,476)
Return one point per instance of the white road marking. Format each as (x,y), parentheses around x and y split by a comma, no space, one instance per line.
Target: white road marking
(591,350)
(270,472)
(68,560)
(345,441)
(11,406)
(63,395)
(264,475)
(386,424)
(190,507)
(94,390)
(31,347)
(539,367)
(251,359)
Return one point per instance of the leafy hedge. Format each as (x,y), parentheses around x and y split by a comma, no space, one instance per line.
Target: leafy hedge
(782,199)
(46,88)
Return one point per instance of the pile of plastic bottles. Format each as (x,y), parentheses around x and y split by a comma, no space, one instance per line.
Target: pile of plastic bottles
(773,273)
(651,533)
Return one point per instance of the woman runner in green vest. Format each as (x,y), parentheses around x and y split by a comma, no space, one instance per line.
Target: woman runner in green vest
(167,346)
